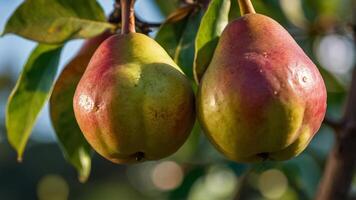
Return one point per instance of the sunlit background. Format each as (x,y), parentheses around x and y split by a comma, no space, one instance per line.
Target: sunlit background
(197,171)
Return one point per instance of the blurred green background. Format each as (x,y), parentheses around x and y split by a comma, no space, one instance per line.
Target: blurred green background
(197,171)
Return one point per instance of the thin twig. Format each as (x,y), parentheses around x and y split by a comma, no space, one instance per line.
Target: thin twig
(204,3)
(146,27)
(242,183)
(334,124)
(149,24)
(340,166)
(143,26)
(115,16)
(127,16)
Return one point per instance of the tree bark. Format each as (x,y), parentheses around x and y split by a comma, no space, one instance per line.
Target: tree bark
(340,166)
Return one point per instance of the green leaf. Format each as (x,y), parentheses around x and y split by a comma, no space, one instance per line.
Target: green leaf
(336,103)
(75,148)
(31,92)
(56,21)
(170,33)
(331,83)
(167,7)
(213,23)
(184,55)
(314,9)
(234,11)
(188,150)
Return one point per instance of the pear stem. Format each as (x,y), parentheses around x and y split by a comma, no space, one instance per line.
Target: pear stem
(127,16)
(246,7)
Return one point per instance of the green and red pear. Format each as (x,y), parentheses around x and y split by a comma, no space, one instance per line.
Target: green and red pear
(133,102)
(61,102)
(261,97)
(74,70)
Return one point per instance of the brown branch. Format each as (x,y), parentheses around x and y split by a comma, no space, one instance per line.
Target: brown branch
(332,123)
(242,184)
(127,16)
(204,3)
(115,16)
(140,21)
(340,166)
(246,7)
(143,26)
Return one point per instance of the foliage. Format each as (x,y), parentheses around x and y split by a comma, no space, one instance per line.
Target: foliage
(57,21)
(189,34)
(30,94)
(211,27)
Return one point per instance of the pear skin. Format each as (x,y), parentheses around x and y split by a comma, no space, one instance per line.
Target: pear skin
(133,102)
(61,105)
(261,97)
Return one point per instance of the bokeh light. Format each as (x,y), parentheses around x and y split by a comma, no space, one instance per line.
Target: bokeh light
(52,187)
(294,12)
(139,177)
(220,182)
(335,53)
(218,176)
(167,175)
(272,184)
(207,174)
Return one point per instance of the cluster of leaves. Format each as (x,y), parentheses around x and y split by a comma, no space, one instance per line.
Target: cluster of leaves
(54,23)
(189,34)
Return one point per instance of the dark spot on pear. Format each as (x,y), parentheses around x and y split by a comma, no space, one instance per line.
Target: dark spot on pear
(139,156)
(263,155)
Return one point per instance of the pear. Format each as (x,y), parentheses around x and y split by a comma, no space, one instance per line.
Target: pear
(261,97)
(133,102)
(61,102)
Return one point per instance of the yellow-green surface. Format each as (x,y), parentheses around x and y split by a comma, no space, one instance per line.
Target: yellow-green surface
(133,102)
